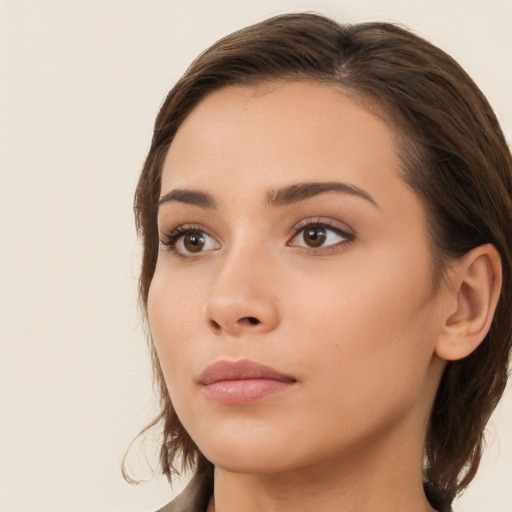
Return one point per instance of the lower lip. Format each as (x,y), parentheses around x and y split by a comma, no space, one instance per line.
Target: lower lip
(244,392)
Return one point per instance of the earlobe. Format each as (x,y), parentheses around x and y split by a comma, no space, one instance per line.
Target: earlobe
(475,285)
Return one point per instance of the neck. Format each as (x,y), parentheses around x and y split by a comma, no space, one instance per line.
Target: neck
(386,478)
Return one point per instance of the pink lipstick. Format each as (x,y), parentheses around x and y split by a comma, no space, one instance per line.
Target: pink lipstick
(242,382)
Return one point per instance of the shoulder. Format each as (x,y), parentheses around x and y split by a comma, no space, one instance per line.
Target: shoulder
(194,498)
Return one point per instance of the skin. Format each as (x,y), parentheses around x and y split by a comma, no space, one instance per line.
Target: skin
(356,321)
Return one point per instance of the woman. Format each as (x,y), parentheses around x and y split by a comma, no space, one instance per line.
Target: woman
(326,273)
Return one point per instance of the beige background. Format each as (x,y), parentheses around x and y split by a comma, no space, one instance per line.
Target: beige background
(80,84)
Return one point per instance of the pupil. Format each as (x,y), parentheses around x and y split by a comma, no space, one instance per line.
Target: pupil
(315,237)
(194,242)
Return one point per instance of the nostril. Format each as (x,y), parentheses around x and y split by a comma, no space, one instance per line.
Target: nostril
(251,320)
(215,326)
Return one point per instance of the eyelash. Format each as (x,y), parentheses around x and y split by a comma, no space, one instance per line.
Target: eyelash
(170,240)
(326,224)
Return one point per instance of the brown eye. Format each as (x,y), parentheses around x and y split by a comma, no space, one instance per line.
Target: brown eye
(189,241)
(315,236)
(194,242)
(319,236)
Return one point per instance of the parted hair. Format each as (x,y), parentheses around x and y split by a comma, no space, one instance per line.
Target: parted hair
(454,156)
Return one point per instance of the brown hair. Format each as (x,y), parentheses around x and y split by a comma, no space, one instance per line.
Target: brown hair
(454,157)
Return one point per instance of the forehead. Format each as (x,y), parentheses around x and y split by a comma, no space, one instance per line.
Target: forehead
(276,129)
(263,127)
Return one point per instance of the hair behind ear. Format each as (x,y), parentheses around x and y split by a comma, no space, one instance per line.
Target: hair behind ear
(473,381)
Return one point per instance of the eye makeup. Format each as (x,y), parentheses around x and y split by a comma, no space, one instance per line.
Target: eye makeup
(320,235)
(317,235)
(188,240)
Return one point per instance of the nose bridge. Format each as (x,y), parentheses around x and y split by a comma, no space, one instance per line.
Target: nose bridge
(242,298)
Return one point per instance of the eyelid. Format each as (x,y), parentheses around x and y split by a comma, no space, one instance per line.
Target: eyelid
(170,238)
(332,225)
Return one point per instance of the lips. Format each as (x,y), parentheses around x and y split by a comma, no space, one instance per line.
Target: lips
(242,382)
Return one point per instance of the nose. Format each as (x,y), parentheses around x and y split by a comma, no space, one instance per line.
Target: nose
(242,300)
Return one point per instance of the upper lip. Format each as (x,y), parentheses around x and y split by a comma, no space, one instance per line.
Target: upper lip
(240,370)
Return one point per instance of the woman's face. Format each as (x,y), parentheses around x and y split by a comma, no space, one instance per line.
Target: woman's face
(289,240)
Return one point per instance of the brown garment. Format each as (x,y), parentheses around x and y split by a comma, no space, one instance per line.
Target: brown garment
(195,496)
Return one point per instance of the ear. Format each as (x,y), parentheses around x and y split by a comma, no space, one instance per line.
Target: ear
(474,286)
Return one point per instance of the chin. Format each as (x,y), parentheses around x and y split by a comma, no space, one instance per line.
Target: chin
(246,453)
(249,462)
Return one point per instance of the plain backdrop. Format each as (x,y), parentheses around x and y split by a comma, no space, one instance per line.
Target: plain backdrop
(80,85)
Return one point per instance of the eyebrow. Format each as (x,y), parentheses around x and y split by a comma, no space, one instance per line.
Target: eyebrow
(274,197)
(192,197)
(303,191)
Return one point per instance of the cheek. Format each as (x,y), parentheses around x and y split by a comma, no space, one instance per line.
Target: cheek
(171,311)
(368,330)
